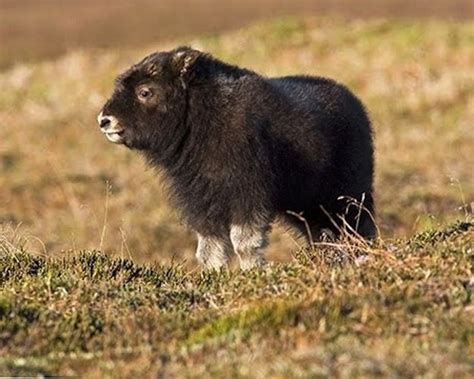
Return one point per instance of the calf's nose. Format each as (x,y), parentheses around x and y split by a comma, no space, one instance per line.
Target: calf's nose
(104,121)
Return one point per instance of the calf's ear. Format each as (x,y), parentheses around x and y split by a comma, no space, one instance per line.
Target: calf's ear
(184,59)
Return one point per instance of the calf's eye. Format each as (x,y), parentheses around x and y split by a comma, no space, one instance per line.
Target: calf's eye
(144,93)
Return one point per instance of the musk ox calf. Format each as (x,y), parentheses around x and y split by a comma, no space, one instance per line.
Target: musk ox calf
(241,149)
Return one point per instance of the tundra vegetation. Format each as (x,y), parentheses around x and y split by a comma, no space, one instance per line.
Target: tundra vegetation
(82,222)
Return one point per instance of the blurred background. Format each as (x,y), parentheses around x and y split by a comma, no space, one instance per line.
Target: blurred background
(32,29)
(63,187)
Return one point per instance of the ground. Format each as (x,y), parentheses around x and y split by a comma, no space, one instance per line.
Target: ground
(83,221)
(399,309)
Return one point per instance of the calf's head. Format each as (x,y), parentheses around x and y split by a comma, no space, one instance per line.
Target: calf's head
(148,104)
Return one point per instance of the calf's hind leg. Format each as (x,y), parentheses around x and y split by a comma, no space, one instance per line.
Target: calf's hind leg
(249,242)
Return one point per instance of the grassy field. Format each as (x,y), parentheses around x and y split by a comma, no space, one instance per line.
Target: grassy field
(83,220)
(402,309)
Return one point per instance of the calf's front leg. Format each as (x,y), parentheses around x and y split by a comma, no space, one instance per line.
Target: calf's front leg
(213,252)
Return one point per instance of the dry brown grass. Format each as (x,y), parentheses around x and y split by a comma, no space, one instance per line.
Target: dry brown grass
(70,189)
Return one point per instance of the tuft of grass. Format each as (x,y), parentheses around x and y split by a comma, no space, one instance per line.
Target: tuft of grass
(269,317)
